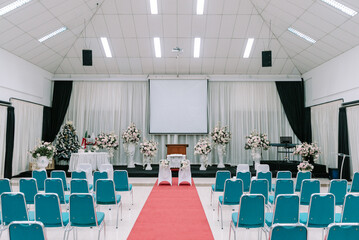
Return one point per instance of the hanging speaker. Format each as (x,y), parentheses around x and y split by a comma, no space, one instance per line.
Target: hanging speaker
(266,58)
(86,57)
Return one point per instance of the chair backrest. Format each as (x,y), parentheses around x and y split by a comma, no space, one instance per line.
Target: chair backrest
(105,193)
(251,211)
(284,186)
(221,177)
(120,178)
(350,212)
(78,175)
(233,190)
(48,209)
(296,231)
(246,179)
(98,175)
(300,177)
(262,168)
(286,209)
(87,167)
(260,186)
(54,185)
(82,210)
(266,175)
(309,187)
(243,168)
(13,207)
(321,210)
(284,175)
(40,177)
(28,187)
(339,188)
(5,185)
(340,231)
(26,230)
(355,183)
(79,186)
(105,167)
(60,174)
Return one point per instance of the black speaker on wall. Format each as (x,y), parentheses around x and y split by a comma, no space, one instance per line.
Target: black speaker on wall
(266,58)
(86,57)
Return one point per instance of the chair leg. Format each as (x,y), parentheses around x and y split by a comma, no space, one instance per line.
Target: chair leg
(221,217)
(211,203)
(132,195)
(118,209)
(230,228)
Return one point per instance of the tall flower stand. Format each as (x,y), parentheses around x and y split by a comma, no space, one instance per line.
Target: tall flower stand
(256,156)
(42,162)
(147,162)
(130,150)
(111,154)
(221,148)
(204,161)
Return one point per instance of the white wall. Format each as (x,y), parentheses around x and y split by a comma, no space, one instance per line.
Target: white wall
(335,79)
(23,80)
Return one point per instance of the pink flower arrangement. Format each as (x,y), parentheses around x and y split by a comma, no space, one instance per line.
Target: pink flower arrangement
(203,147)
(257,140)
(221,135)
(107,141)
(305,166)
(131,134)
(149,148)
(307,150)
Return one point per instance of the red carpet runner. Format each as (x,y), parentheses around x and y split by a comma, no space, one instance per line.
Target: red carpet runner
(172,212)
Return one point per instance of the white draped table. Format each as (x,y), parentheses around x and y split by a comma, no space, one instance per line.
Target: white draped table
(93,158)
(175,160)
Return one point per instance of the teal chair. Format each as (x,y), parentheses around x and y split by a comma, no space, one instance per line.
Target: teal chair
(340,231)
(28,187)
(13,208)
(268,177)
(339,188)
(54,185)
(300,177)
(79,186)
(354,187)
(250,214)
(62,175)
(106,195)
(260,186)
(246,179)
(283,186)
(286,210)
(309,187)
(282,175)
(82,213)
(120,178)
(5,185)
(233,190)
(40,176)
(294,231)
(81,175)
(350,210)
(26,230)
(98,175)
(218,186)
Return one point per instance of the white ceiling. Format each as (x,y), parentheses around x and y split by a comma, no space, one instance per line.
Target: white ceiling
(223,29)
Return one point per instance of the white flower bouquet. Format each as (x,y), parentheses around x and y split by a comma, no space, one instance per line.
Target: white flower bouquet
(305,166)
(149,148)
(221,135)
(164,163)
(203,147)
(257,140)
(107,141)
(43,149)
(184,164)
(309,152)
(131,134)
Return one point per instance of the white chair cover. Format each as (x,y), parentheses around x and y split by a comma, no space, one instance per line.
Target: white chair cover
(184,175)
(262,168)
(243,168)
(107,168)
(164,174)
(175,160)
(86,167)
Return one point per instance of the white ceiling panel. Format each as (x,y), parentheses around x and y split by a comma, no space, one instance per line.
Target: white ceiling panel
(141,24)
(209,48)
(231,65)
(223,46)
(109,7)
(169,26)
(240,29)
(184,26)
(227,26)
(25,13)
(186,7)
(127,25)
(168,6)
(198,26)
(136,65)
(140,7)
(214,7)
(195,66)
(119,47)
(124,65)
(213,25)
(132,48)
(145,48)
(246,7)
(123,7)
(219,65)
(207,65)
(231,7)
(155,25)
(147,65)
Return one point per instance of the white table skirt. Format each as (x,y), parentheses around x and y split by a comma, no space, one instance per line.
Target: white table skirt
(93,158)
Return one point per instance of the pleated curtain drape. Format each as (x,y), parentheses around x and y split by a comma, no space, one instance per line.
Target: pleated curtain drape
(353,130)
(3,120)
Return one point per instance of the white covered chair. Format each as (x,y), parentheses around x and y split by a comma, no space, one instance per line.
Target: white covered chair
(184,174)
(243,168)
(86,167)
(164,173)
(106,167)
(262,168)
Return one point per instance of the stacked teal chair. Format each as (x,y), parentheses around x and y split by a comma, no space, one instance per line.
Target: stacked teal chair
(354,187)
(221,177)
(62,175)
(106,195)
(28,187)
(268,176)
(26,230)
(250,214)
(98,175)
(286,210)
(342,231)
(40,176)
(81,175)
(294,231)
(233,190)
(260,186)
(309,187)
(5,185)
(282,175)
(246,179)
(300,177)
(54,185)
(79,186)
(339,188)
(283,186)
(350,210)
(120,178)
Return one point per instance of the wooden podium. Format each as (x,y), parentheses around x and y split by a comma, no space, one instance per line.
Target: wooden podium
(176,149)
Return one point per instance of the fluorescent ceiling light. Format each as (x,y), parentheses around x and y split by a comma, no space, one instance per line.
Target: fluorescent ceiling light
(197,47)
(154,8)
(200,7)
(302,35)
(157,43)
(248,49)
(13,6)
(341,7)
(50,35)
(106,47)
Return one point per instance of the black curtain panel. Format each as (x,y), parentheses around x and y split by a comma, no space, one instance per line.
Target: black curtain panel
(343,144)
(60,101)
(10,130)
(292,97)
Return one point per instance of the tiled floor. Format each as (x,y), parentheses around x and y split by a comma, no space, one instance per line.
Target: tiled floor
(142,188)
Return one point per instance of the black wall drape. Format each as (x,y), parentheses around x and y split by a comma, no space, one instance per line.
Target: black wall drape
(60,102)
(292,97)
(10,130)
(343,143)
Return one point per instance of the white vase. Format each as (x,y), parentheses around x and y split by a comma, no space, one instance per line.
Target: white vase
(221,148)
(147,162)
(130,150)
(42,162)
(256,156)
(204,161)
(111,154)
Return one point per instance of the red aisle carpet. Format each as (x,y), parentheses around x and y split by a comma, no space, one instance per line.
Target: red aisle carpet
(172,212)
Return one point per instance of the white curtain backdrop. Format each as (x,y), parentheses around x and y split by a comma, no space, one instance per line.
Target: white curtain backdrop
(3,121)
(111,106)
(28,130)
(353,130)
(325,120)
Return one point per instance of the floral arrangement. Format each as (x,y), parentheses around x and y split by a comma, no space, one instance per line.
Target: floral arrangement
(43,149)
(221,135)
(107,141)
(184,164)
(305,166)
(131,134)
(307,151)
(257,140)
(149,148)
(164,163)
(203,147)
